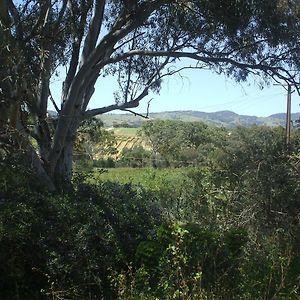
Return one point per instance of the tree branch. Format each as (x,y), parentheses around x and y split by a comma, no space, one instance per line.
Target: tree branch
(16,18)
(75,55)
(60,16)
(129,72)
(94,29)
(275,70)
(132,104)
(53,102)
(4,15)
(40,20)
(136,114)
(128,41)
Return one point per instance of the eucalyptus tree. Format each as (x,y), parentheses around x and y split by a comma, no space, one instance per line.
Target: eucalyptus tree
(138,42)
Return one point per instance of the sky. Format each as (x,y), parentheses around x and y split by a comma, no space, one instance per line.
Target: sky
(200,90)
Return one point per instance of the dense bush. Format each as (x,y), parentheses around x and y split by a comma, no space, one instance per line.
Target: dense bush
(136,157)
(187,262)
(228,229)
(65,246)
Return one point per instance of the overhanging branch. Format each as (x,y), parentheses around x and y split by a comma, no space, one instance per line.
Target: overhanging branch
(278,71)
(132,104)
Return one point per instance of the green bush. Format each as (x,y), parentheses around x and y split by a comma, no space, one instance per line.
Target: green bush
(186,262)
(226,230)
(64,246)
(136,157)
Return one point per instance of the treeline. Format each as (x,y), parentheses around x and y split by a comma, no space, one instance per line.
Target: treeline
(182,144)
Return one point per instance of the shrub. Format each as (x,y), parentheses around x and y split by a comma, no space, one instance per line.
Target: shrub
(136,157)
(186,262)
(64,246)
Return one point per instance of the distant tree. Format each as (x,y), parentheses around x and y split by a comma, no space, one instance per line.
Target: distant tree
(252,148)
(136,157)
(211,151)
(163,137)
(136,41)
(125,125)
(194,134)
(176,141)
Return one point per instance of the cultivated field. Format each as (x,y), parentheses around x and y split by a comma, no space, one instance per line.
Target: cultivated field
(128,138)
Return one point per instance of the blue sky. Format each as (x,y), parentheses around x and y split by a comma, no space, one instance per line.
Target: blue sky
(201,90)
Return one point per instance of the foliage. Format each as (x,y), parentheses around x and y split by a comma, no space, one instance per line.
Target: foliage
(63,246)
(175,140)
(137,43)
(136,157)
(227,229)
(189,262)
(252,185)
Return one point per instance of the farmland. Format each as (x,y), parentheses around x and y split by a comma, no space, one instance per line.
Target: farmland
(128,138)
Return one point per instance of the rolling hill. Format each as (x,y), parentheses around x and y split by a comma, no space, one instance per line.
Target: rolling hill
(220,118)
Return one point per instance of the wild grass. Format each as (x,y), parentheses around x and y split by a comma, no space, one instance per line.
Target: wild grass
(147,177)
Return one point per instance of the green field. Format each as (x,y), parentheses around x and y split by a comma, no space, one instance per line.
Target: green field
(129,132)
(147,177)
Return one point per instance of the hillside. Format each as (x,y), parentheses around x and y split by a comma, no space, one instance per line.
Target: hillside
(220,118)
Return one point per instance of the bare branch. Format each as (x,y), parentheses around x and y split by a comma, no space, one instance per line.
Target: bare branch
(129,73)
(75,55)
(40,20)
(148,106)
(223,51)
(44,85)
(73,65)
(4,15)
(136,114)
(132,104)
(53,101)
(128,41)
(88,93)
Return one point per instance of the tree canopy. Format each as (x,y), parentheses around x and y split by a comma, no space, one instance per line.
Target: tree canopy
(138,42)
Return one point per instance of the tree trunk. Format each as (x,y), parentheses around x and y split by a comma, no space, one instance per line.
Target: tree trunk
(64,166)
(42,175)
(62,176)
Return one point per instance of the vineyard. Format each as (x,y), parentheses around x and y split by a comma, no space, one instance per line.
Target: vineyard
(128,138)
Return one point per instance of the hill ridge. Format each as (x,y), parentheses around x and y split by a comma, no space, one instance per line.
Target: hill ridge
(224,118)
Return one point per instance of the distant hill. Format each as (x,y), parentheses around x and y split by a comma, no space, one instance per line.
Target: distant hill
(220,118)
